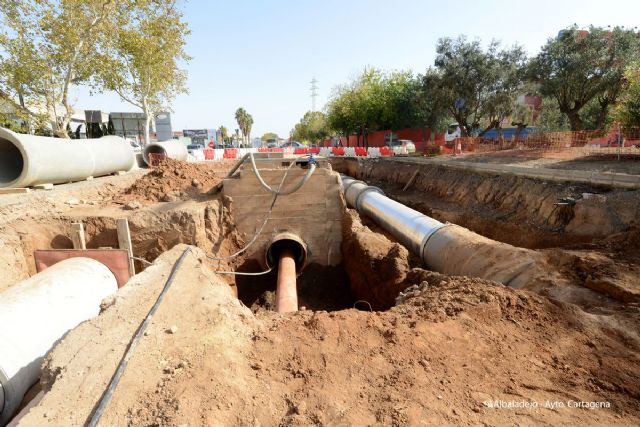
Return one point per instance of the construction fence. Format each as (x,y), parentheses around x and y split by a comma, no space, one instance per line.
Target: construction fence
(558,144)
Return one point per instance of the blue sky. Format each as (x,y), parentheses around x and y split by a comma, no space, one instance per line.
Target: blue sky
(262,55)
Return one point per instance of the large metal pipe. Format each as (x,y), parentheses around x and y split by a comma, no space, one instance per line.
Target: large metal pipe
(27,160)
(38,312)
(446,248)
(173,149)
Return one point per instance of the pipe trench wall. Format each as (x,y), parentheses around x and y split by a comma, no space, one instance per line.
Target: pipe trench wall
(27,160)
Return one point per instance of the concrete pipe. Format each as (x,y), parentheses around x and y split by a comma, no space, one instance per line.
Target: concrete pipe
(27,160)
(38,312)
(447,248)
(173,149)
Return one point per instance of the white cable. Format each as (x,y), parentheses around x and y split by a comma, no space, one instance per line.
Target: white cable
(295,188)
(237,273)
(264,222)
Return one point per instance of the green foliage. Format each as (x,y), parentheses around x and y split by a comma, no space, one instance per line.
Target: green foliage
(476,86)
(312,127)
(245,122)
(46,48)
(376,101)
(140,60)
(628,110)
(581,69)
(551,118)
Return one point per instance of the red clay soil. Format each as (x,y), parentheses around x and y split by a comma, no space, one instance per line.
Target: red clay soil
(173,180)
(450,349)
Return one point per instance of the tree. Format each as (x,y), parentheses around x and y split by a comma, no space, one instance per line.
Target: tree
(477,87)
(579,67)
(359,106)
(49,46)
(312,127)
(248,124)
(627,112)
(142,58)
(245,122)
(224,134)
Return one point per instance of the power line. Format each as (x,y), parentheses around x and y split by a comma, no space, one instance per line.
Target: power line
(314,93)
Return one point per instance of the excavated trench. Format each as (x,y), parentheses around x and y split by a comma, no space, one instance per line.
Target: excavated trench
(377,273)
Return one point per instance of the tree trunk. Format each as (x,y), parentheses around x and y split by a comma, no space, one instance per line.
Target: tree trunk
(575,122)
(147,122)
(602,115)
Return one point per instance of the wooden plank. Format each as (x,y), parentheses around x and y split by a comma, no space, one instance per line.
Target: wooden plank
(413,177)
(14,190)
(77,236)
(124,241)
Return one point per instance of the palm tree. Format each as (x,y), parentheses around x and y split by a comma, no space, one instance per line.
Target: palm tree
(241,118)
(248,125)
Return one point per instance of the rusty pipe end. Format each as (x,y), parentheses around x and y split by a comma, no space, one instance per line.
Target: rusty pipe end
(286,290)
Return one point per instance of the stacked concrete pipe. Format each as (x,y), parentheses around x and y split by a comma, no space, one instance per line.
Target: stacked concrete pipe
(172,149)
(27,160)
(38,312)
(448,248)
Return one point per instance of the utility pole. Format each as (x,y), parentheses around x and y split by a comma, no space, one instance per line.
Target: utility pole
(314,93)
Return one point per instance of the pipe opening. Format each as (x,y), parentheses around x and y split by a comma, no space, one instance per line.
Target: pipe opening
(153,149)
(287,242)
(11,161)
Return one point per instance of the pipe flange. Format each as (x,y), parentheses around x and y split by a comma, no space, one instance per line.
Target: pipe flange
(354,181)
(363,192)
(425,241)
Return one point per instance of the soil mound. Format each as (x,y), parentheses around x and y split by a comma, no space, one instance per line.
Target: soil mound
(173,180)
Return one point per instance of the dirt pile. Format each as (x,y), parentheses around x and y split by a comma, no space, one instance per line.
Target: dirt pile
(451,348)
(173,180)
(376,266)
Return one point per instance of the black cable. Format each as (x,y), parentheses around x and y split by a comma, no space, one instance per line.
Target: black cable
(106,396)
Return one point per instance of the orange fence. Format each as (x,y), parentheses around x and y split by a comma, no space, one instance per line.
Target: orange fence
(558,144)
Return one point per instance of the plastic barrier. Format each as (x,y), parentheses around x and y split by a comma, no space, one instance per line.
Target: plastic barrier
(361,151)
(386,151)
(325,151)
(263,150)
(350,151)
(337,151)
(209,153)
(373,151)
(218,154)
(301,150)
(314,150)
(230,153)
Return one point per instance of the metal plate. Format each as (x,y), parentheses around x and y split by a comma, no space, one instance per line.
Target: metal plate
(117,260)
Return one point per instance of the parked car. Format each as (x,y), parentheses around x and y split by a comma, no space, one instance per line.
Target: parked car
(293,144)
(406,143)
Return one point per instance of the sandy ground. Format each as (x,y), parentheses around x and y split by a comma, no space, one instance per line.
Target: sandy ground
(449,351)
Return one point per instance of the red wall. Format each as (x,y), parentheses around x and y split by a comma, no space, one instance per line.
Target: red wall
(419,136)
